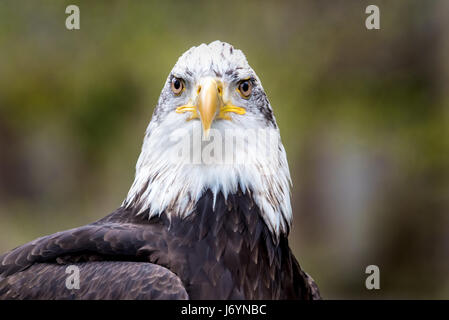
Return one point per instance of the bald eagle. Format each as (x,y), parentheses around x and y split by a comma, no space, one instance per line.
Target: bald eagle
(208,214)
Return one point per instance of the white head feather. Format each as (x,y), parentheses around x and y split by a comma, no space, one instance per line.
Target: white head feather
(170,183)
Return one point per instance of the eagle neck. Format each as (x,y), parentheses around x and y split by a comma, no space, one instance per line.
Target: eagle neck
(227,251)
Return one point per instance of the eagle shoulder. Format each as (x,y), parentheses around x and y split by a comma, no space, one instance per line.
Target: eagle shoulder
(114,255)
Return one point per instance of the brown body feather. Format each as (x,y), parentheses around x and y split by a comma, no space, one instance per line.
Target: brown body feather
(221,251)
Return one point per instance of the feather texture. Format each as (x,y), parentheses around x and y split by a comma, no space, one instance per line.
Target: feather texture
(210,254)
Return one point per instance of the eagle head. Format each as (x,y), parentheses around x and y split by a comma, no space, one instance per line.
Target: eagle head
(212,129)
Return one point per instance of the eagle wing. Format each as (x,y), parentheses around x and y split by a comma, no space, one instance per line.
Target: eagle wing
(313,287)
(103,280)
(112,259)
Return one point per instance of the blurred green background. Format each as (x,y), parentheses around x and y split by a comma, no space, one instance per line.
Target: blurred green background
(363,115)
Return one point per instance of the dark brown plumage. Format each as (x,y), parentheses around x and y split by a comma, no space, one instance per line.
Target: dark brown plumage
(226,252)
(232,246)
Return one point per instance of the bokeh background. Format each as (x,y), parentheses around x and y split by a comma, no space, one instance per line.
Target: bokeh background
(363,115)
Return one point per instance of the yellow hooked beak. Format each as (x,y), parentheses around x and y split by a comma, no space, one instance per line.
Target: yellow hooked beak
(209,105)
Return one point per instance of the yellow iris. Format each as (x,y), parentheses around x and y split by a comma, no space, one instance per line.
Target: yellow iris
(208,100)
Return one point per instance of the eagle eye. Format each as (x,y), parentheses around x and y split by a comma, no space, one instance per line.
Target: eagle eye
(245,88)
(177,85)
